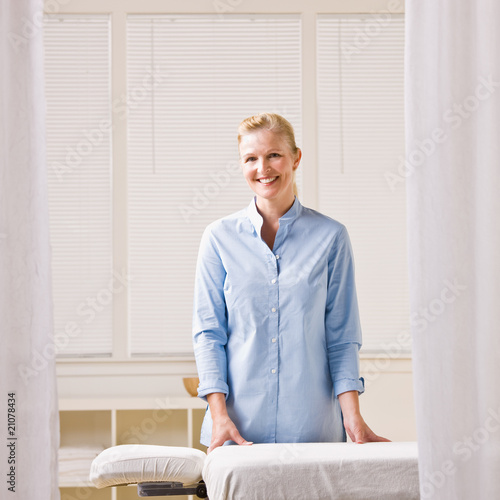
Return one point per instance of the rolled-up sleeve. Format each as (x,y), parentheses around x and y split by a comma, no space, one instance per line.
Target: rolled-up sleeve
(342,324)
(210,319)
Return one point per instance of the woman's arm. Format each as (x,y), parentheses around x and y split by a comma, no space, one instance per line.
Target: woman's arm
(223,427)
(342,324)
(210,339)
(343,337)
(354,424)
(209,319)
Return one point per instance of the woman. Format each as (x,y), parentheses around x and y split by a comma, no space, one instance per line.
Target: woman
(276,325)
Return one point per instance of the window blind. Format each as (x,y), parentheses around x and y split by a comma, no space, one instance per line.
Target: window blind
(191,80)
(77,72)
(361,136)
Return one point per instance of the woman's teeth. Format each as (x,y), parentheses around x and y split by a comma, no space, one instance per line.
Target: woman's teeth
(267,181)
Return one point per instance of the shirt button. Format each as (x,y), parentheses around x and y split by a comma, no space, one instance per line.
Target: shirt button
(277,256)
(273,340)
(273,371)
(273,281)
(273,309)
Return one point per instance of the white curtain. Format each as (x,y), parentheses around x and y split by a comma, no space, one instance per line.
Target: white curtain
(28,399)
(453,187)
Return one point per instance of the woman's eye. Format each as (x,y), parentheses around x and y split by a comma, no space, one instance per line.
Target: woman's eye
(275,154)
(250,158)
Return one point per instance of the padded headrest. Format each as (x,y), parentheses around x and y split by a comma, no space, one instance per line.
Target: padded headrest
(138,463)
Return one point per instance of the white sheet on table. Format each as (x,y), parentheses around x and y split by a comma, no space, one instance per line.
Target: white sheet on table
(313,471)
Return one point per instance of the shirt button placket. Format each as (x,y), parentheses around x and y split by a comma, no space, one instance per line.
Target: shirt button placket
(274,336)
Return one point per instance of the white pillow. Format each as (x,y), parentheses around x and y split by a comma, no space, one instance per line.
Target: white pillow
(138,463)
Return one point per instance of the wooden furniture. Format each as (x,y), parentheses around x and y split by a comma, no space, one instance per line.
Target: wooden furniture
(90,425)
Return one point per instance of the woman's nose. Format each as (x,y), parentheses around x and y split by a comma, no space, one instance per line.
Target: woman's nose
(263,166)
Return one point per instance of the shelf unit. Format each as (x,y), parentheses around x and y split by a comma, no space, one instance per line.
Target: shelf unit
(100,423)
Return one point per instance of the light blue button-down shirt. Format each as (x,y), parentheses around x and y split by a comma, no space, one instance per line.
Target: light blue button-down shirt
(277,331)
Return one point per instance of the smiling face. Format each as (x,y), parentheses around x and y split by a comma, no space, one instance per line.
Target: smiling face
(268,165)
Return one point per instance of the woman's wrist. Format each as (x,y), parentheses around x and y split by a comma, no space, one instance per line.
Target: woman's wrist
(349,403)
(217,403)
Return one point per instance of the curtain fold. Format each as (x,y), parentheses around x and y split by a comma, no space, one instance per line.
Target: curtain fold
(28,397)
(452,86)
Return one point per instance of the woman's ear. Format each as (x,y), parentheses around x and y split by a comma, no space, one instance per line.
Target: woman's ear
(297,159)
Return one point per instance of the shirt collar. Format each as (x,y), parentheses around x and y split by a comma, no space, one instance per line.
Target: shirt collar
(293,212)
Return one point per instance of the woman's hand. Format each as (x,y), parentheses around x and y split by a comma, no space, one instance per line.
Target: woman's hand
(359,432)
(354,424)
(223,428)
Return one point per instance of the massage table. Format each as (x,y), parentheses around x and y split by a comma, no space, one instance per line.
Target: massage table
(301,471)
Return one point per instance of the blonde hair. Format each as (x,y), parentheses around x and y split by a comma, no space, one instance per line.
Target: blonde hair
(274,123)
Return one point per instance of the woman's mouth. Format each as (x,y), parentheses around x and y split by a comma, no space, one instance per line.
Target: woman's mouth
(267,180)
